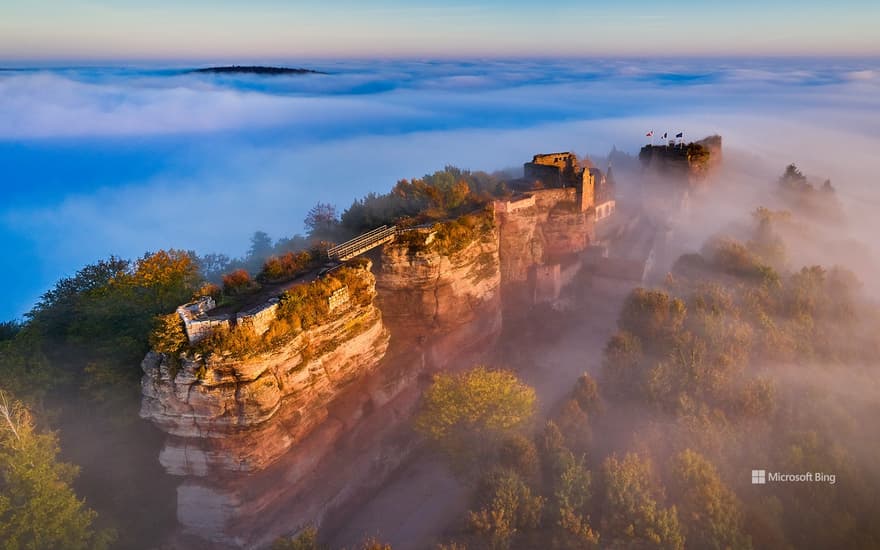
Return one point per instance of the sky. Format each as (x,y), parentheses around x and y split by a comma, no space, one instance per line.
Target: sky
(122,160)
(48,30)
(108,146)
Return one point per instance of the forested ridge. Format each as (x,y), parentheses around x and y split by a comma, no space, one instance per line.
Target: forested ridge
(742,359)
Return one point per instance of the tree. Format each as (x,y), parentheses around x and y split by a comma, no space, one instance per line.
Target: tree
(710,513)
(572,493)
(505,506)
(621,365)
(631,514)
(8,330)
(793,178)
(238,282)
(322,221)
(261,248)
(38,508)
(307,539)
(652,315)
(519,454)
(469,412)
(213,266)
(586,393)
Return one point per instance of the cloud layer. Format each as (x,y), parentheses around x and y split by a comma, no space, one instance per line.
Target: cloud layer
(120,161)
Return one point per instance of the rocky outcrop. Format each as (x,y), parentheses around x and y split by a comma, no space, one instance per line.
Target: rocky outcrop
(441,294)
(241,415)
(550,233)
(300,435)
(691,163)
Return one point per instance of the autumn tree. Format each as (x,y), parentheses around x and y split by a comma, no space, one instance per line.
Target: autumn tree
(505,506)
(468,413)
(572,494)
(38,508)
(631,512)
(710,513)
(621,365)
(653,316)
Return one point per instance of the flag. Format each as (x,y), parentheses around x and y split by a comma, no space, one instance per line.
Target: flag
(680,134)
(664,135)
(650,134)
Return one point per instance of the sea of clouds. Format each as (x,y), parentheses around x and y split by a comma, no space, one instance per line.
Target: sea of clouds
(122,160)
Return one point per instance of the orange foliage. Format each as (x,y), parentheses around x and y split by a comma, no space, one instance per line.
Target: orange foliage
(236,281)
(286,266)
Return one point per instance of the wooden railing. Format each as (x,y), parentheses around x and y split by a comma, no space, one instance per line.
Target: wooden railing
(362,243)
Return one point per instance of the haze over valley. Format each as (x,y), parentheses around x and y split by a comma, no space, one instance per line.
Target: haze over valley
(439,275)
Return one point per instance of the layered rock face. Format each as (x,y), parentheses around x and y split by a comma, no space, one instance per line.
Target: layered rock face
(444,301)
(299,435)
(551,232)
(241,415)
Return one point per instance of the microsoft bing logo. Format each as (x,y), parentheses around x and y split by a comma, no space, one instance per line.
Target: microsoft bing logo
(759,477)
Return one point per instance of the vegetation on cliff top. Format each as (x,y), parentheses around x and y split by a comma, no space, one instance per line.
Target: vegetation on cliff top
(300,308)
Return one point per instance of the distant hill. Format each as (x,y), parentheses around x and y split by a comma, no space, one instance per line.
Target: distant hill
(254,69)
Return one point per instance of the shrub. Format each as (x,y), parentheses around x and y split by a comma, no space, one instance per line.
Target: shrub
(238,282)
(286,266)
(209,290)
(168,335)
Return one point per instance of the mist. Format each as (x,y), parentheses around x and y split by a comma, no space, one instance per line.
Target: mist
(119,161)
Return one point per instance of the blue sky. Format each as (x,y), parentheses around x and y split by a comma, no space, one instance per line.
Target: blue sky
(108,147)
(272,29)
(100,161)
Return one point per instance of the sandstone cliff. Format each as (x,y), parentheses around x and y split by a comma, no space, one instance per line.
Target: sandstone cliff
(242,414)
(439,287)
(549,230)
(277,440)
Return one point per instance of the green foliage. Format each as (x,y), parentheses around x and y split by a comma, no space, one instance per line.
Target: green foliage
(300,308)
(733,257)
(38,508)
(444,194)
(652,316)
(631,513)
(8,330)
(455,235)
(710,513)
(519,454)
(505,506)
(322,222)
(586,393)
(306,540)
(574,424)
(25,370)
(467,413)
(572,496)
(76,362)
(621,374)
